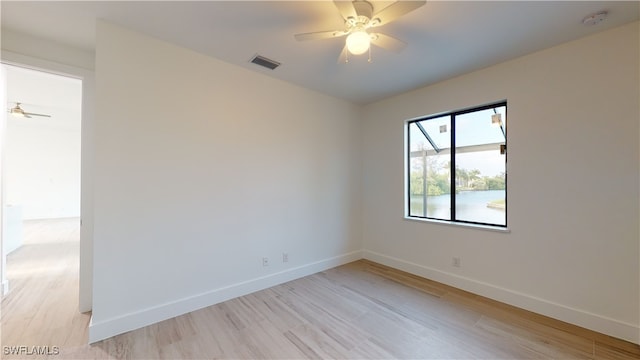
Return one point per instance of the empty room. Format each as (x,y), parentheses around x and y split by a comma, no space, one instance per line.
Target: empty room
(331,179)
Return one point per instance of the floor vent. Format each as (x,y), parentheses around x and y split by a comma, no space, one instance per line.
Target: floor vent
(263,61)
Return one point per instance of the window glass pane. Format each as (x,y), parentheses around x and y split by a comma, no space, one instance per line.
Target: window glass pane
(429,163)
(480,167)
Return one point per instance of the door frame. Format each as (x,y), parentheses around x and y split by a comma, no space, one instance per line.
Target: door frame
(86,76)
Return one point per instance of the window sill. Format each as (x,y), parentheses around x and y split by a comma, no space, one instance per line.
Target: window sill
(463,225)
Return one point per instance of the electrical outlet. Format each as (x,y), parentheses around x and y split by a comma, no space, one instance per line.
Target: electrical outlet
(455,262)
(285,257)
(265,261)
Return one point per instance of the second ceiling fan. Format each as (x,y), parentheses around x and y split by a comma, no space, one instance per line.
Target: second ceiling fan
(359,19)
(17,111)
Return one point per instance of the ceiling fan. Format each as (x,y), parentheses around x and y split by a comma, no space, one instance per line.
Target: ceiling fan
(358,20)
(17,111)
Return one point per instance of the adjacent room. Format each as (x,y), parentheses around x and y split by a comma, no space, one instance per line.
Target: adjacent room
(334,179)
(41,193)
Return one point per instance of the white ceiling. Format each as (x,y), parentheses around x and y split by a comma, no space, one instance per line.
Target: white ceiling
(445,39)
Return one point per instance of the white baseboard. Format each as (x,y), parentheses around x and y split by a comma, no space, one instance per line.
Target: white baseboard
(132,321)
(601,324)
(111,327)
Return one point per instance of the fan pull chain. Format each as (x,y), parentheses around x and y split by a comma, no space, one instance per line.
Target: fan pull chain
(369,61)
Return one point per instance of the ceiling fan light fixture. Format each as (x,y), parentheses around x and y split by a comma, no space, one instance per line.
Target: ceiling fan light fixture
(359,19)
(17,111)
(358,42)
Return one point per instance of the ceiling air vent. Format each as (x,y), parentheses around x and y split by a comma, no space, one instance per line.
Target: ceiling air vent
(263,61)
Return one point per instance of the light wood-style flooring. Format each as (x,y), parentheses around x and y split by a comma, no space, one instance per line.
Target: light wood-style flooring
(41,308)
(360,310)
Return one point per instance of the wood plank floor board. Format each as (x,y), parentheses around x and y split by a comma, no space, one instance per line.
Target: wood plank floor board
(361,310)
(214,325)
(305,348)
(397,335)
(316,313)
(546,345)
(340,330)
(270,343)
(321,343)
(609,352)
(482,345)
(284,318)
(331,297)
(368,350)
(556,337)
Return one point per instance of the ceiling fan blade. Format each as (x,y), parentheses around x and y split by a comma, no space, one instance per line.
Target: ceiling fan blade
(396,10)
(387,42)
(319,35)
(343,58)
(28,114)
(346,9)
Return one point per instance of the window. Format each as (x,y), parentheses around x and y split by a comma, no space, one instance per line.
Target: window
(456,164)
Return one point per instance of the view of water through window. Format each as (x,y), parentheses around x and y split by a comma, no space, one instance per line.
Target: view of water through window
(461,153)
(480,206)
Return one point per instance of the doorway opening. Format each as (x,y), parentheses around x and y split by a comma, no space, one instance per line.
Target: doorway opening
(41,184)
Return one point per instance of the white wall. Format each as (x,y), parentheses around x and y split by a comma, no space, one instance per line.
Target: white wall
(572,249)
(202,168)
(44,54)
(42,168)
(12,229)
(4,283)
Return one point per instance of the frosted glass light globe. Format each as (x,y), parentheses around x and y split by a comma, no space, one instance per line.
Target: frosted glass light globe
(358,42)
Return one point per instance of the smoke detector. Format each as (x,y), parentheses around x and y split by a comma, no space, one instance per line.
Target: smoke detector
(595,18)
